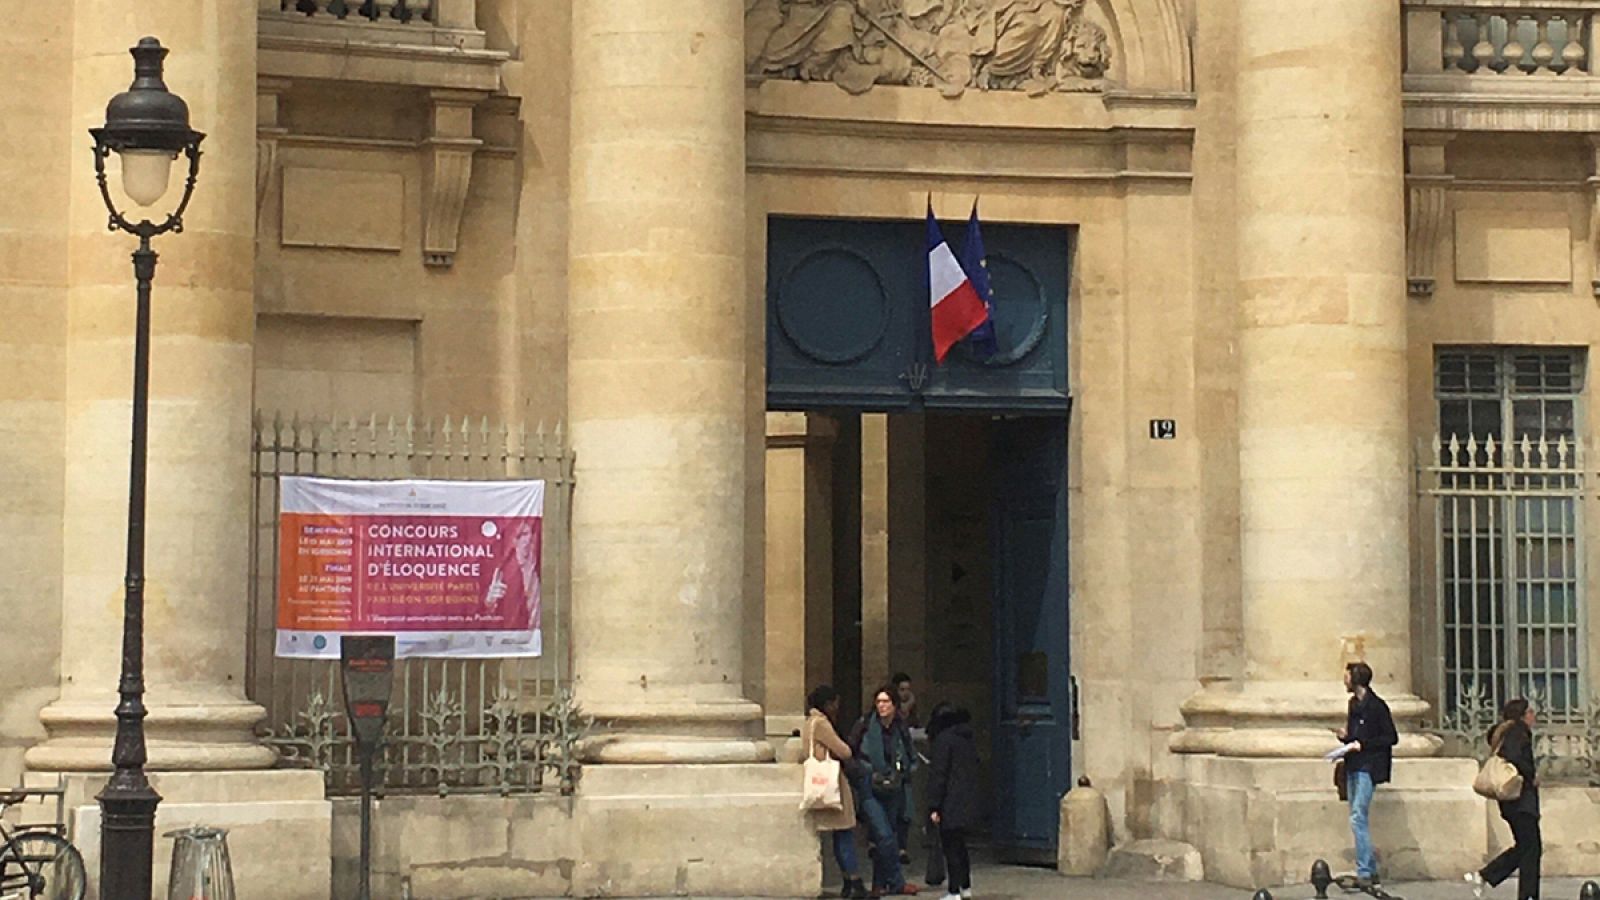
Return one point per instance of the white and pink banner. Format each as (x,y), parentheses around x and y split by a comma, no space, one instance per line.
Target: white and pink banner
(450,568)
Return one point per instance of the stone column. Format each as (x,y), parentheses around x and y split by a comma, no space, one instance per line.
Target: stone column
(907,527)
(799,565)
(875,587)
(203,318)
(787,642)
(34,168)
(1324,462)
(656,378)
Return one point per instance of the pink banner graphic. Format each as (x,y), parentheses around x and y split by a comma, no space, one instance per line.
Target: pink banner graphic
(450,568)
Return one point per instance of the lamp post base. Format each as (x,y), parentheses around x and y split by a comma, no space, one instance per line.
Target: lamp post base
(127,839)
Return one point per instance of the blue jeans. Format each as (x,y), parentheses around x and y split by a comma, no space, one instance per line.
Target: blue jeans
(881,816)
(1360,787)
(844,851)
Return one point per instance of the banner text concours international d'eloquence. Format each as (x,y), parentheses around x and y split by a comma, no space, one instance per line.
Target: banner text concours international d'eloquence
(450,568)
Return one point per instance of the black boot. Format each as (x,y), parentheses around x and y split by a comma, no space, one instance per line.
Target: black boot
(853,889)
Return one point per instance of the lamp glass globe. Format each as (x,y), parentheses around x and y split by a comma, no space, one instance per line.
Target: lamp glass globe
(145,174)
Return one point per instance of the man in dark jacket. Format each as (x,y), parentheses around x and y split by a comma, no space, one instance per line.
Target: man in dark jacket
(953,792)
(1369,737)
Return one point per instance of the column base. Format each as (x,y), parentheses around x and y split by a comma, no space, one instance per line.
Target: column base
(698,831)
(279,826)
(211,735)
(689,731)
(1290,720)
(1263,822)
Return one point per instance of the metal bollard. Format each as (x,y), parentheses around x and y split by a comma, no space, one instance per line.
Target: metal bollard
(1589,891)
(1321,877)
(201,869)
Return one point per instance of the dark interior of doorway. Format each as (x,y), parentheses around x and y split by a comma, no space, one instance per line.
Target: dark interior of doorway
(976,608)
(940,618)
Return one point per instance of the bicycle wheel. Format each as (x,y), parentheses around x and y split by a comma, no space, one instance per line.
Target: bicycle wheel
(54,867)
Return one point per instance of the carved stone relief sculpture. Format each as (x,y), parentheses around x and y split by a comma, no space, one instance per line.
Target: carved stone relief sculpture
(1037,46)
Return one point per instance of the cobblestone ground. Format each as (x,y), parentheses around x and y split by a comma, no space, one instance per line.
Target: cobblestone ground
(1016,883)
(997,882)
(993,880)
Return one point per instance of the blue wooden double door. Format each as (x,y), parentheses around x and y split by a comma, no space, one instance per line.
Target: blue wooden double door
(848,332)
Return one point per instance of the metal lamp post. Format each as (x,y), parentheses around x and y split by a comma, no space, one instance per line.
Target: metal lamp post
(147,126)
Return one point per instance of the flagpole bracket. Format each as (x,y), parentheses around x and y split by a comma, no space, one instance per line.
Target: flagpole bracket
(916,376)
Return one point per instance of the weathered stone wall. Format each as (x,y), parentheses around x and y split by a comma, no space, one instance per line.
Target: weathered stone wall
(1515,265)
(35,158)
(630,831)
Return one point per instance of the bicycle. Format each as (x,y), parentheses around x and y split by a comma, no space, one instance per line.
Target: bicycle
(36,863)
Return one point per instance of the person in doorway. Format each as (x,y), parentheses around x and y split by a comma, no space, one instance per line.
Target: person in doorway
(953,792)
(818,735)
(1369,739)
(883,742)
(909,715)
(907,699)
(1512,740)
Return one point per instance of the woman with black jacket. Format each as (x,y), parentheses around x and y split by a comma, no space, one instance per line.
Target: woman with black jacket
(882,741)
(953,792)
(1512,740)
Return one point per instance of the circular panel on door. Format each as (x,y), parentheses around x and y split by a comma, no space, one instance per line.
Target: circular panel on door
(1021,315)
(832,305)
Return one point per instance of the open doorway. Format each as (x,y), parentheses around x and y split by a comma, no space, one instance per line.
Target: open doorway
(949,563)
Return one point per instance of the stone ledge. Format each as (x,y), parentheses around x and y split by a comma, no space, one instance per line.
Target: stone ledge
(1570,829)
(279,826)
(1262,822)
(1155,860)
(632,831)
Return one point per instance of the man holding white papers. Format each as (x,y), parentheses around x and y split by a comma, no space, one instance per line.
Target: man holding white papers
(1369,737)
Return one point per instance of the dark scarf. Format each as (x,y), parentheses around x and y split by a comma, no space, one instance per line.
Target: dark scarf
(877,754)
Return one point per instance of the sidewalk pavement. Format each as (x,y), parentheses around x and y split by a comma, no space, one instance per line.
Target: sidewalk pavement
(1001,882)
(1023,883)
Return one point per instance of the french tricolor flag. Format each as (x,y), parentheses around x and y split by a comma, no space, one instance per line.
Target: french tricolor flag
(958,309)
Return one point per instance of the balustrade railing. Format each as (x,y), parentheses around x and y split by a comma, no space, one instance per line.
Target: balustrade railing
(1516,43)
(1504,38)
(455,14)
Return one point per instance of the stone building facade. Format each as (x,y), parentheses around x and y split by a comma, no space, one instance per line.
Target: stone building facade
(1253,259)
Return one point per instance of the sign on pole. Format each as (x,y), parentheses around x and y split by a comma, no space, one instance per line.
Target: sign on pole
(450,568)
(368,666)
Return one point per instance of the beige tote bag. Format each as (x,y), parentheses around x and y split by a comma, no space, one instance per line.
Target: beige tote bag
(1498,779)
(821,790)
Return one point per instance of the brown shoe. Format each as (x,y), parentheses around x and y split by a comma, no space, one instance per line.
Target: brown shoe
(909,889)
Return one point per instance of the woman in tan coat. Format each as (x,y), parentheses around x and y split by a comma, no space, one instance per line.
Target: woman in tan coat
(820,739)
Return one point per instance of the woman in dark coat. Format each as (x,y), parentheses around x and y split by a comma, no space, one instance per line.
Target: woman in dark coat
(1512,740)
(953,792)
(882,741)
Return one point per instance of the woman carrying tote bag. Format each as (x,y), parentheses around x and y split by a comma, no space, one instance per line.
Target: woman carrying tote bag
(820,739)
(1512,741)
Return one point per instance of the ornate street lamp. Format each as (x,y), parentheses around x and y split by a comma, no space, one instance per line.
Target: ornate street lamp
(147,126)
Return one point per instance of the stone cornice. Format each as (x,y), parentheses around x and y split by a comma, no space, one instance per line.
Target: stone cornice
(1459,102)
(1501,5)
(297,50)
(1117,136)
(924,112)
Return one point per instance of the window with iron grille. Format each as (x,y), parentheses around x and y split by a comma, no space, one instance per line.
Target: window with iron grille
(1508,485)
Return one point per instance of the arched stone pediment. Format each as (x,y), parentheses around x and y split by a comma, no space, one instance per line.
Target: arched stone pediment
(1035,46)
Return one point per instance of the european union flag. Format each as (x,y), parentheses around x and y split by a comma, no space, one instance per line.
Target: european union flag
(976,264)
